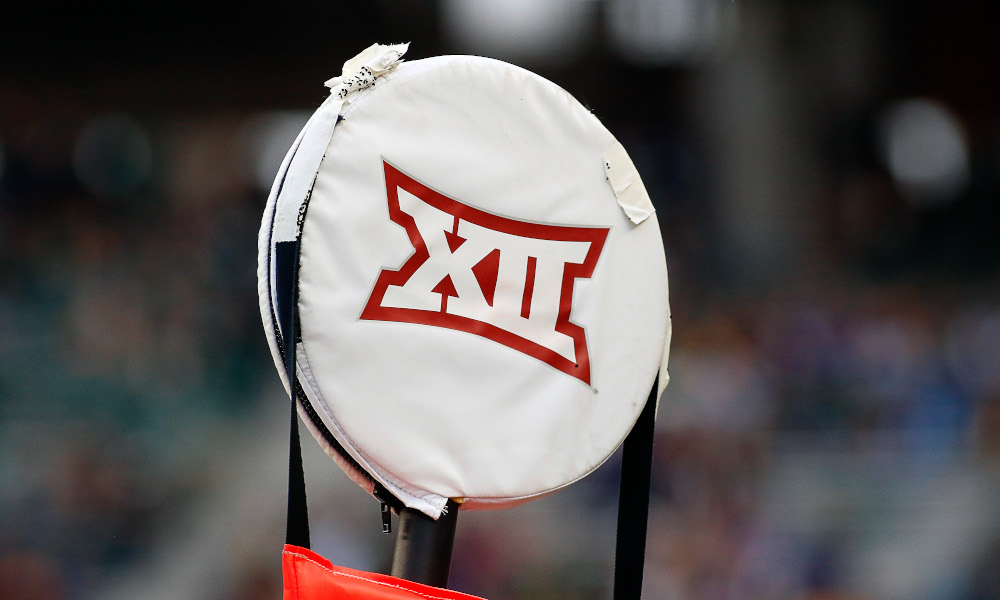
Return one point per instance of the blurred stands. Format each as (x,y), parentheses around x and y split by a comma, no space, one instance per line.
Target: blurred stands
(824,174)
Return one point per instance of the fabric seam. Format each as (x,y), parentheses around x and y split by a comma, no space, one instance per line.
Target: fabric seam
(375,581)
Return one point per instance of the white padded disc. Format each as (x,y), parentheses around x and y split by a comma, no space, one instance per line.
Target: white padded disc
(482,285)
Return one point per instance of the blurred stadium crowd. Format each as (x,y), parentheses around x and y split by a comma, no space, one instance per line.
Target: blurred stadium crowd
(825,174)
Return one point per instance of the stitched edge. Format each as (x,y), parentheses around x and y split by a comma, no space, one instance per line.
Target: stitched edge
(382,583)
(295,576)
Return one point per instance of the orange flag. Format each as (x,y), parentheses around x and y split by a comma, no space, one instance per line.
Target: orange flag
(309,576)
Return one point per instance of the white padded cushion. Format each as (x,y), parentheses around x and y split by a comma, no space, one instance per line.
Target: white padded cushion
(480,318)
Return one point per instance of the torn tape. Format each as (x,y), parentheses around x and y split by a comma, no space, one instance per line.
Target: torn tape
(626,183)
(664,377)
(361,71)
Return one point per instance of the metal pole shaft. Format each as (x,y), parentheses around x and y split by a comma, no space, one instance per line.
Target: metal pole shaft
(423,546)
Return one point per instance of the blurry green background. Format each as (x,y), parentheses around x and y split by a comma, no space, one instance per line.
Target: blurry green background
(825,174)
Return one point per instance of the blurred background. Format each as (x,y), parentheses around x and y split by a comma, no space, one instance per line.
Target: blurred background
(825,173)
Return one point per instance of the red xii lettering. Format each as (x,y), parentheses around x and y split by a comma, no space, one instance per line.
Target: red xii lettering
(506,280)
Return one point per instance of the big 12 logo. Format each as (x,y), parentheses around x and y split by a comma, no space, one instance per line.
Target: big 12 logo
(507,280)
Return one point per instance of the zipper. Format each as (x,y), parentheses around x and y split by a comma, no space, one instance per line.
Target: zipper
(382,495)
(387,501)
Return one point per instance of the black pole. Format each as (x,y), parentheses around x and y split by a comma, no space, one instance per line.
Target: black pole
(633,502)
(423,546)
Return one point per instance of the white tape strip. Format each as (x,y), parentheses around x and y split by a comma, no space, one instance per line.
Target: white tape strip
(626,183)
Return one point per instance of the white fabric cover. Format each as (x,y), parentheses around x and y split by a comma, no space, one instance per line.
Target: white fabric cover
(428,400)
